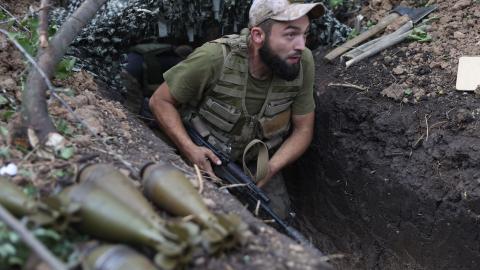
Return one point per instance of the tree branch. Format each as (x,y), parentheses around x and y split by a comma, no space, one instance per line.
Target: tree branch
(47,81)
(30,240)
(43,25)
(34,108)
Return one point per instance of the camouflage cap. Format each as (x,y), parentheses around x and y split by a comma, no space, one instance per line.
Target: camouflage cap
(282,10)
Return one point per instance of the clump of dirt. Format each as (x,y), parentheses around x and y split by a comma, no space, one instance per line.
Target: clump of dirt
(391,177)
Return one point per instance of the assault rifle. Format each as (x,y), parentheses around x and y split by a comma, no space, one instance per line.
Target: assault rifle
(233,174)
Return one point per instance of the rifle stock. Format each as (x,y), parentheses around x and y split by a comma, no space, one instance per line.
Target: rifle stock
(233,174)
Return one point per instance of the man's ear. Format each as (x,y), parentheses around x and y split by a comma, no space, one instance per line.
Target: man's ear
(257,35)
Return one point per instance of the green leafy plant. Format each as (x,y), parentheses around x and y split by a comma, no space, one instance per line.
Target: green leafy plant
(6,115)
(29,40)
(4,131)
(353,33)
(67,152)
(14,253)
(419,35)
(64,127)
(335,3)
(408,92)
(64,68)
(3,100)
(370,23)
(4,152)
(3,16)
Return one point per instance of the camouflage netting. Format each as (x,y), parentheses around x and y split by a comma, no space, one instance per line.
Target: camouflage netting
(122,23)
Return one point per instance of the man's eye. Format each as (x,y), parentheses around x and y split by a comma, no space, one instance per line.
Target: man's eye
(291,35)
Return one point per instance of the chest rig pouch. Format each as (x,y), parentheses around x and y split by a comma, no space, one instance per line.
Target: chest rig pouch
(222,114)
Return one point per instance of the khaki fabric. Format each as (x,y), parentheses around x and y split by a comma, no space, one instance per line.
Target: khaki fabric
(191,78)
(282,10)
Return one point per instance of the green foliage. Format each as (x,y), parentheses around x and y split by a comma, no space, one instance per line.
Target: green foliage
(14,253)
(64,127)
(67,152)
(4,152)
(4,131)
(6,115)
(30,190)
(419,35)
(29,40)
(3,100)
(335,3)
(353,33)
(3,16)
(408,92)
(64,68)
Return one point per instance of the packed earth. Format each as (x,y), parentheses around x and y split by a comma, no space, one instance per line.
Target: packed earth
(389,182)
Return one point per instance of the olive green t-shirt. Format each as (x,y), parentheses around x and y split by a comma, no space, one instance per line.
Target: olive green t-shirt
(192,77)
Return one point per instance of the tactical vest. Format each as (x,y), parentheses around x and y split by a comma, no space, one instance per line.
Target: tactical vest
(222,114)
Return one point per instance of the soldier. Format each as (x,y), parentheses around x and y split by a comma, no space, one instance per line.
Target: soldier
(247,92)
(142,74)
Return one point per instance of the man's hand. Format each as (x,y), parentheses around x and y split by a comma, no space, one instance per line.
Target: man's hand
(163,106)
(203,157)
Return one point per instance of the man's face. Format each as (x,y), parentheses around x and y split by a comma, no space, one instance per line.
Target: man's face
(282,49)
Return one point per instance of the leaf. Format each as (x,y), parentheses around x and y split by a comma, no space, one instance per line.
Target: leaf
(7,115)
(4,131)
(5,152)
(420,35)
(7,249)
(67,152)
(64,68)
(30,190)
(335,3)
(46,233)
(3,16)
(408,92)
(58,173)
(3,100)
(13,237)
(64,127)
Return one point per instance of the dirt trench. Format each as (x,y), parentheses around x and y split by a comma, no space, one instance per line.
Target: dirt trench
(390,185)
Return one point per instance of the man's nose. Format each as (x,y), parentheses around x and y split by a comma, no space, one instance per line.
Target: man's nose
(299,44)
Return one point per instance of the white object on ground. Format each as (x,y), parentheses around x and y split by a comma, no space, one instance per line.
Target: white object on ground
(468,78)
(10,169)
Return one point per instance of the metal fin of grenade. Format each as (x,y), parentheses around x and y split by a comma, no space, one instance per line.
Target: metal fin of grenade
(19,204)
(104,216)
(169,188)
(115,257)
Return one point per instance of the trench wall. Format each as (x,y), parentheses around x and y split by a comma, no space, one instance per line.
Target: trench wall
(385,194)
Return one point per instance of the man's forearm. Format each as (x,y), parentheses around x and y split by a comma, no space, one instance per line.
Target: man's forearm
(294,146)
(163,106)
(170,121)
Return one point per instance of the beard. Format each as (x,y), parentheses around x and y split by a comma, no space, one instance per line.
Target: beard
(277,65)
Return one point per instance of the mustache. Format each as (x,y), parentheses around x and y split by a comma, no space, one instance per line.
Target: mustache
(295,54)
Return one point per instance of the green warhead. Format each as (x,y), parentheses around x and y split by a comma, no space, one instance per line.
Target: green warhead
(109,179)
(14,200)
(103,215)
(170,189)
(115,257)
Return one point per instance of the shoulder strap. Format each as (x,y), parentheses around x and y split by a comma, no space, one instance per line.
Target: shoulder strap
(262,160)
